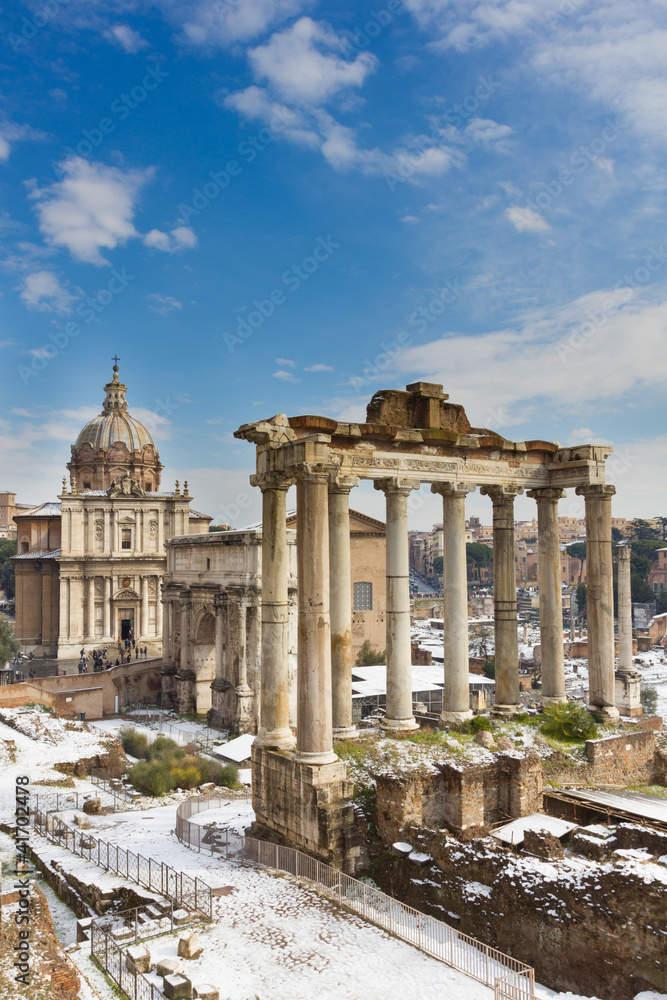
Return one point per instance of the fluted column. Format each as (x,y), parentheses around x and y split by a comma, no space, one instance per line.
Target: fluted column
(551,595)
(106,544)
(623,556)
(90,607)
(314,738)
(275,730)
(159,610)
(504,600)
(600,598)
(340,584)
(242,685)
(456,699)
(107,608)
(399,715)
(220,604)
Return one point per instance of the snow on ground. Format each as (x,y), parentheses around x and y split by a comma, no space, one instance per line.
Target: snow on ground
(161,723)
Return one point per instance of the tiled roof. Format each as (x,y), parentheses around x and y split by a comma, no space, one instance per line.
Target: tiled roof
(50,509)
(41,554)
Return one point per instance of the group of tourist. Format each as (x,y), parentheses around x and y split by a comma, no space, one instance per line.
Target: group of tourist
(101,660)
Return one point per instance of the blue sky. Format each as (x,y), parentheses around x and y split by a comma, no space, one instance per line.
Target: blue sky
(285,206)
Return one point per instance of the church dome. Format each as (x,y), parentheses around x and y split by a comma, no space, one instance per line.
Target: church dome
(114,443)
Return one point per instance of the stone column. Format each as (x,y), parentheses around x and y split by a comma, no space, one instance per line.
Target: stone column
(551,595)
(159,609)
(340,583)
(186,608)
(107,608)
(242,686)
(456,701)
(504,600)
(600,598)
(275,730)
(623,554)
(106,544)
(90,607)
(144,607)
(314,738)
(399,715)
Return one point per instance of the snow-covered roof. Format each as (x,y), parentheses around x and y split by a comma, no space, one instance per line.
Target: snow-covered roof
(237,750)
(370,681)
(512,833)
(39,554)
(49,509)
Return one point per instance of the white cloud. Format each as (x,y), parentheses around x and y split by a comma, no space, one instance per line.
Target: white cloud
(573,359)
(163,304)
(11,132)
(42,290)
(319,368)
(466,24)
(285,363)
(486,132)
(91,208)
(128,39)
(222,22)
(179,239)
(526,220)
(303,66)
(286,376)
(410,220)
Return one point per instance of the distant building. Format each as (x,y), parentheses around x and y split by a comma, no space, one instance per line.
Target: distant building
(8,509)
(89,568)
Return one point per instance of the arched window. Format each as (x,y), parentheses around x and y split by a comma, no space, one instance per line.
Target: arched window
(25,546)
(363,597)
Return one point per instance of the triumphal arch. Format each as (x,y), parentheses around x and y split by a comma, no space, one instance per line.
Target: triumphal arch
(300,789)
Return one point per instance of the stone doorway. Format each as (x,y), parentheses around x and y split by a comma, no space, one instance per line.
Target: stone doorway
(125,623)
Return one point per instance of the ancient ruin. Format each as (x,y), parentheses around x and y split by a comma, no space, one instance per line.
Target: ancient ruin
(300,791)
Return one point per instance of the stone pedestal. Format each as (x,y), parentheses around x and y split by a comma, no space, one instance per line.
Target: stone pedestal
(600,599)
(308,806)
(628,685)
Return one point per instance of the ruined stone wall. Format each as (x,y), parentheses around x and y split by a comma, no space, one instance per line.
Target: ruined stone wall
(624,759)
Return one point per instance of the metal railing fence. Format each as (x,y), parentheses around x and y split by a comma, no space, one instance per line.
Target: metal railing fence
(156,876)
(119,966)
(510,978)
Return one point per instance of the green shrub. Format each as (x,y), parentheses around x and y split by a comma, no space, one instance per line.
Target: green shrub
(227,776)
(151,778)
(649,697)
(489,667)
(164,748)
(480,722)
(134,742)
(184,777)
(568,721)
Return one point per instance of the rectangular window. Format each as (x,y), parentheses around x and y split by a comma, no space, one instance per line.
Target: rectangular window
(208,564)
(363,596)
(126,538)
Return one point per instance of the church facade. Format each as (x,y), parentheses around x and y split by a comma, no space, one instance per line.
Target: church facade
(89,569)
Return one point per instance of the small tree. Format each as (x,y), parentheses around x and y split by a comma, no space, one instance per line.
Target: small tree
(369,657)
(649,697)
(582,597)
(9,646)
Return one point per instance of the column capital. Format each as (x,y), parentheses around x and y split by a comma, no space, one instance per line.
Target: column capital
(271,481)
(546,493)
(500,493)
(396,484)
(453,489)
(342,484)
(317,473)
(624,551)
(596,491)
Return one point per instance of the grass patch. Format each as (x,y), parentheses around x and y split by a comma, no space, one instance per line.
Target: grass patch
(658,790)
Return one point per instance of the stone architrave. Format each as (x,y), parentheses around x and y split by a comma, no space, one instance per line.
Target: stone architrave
(456,702)
(341,606)
(551,597)
(600,598)
(274,731)
(314,733)
(399,715)
(504,599)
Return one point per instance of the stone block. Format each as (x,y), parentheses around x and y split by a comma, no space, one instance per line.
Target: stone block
(504,743)
(485,739)
(204,991)
(401,848)
(542,844)
(208,786)
(83,929)
(140,957)
(181,916)
(177,987)
(188,945)
(169,967)
(82,821)
(92,806)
